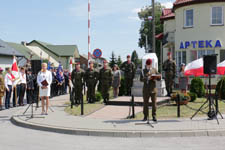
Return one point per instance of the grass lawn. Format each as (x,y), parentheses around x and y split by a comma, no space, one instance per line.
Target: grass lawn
(170,110)
(88,108)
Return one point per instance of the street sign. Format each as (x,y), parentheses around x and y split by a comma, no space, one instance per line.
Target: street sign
(97,53)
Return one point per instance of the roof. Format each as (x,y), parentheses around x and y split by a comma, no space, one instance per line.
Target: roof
(7,50)
(60,50)
(65,50)
(181,3)
(23,50)
(167,14)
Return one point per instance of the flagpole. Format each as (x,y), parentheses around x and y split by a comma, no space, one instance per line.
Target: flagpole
(89,28)
(153,26)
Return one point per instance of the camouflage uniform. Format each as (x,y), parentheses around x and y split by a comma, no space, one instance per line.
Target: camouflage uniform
(129,73)
(169,67)
(91,79)
(149,90)
(105,81)
(77,79)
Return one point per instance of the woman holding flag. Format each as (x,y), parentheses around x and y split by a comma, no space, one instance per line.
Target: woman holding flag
(44,80)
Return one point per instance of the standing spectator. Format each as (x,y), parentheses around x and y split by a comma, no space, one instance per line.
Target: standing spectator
(23,86)
(60,80)
(128,68)
(183,80)
(116,80)
(30,87)
(169,66)
(66,77)
(44,80)
(8,85)
(2,87)
(105,81)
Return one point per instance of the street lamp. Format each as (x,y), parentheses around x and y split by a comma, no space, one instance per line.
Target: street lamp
(153,26)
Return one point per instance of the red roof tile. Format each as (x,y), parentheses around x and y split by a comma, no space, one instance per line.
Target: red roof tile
(167,14)
(180,3)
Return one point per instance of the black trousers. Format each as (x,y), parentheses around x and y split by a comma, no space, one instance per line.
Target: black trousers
(22,93)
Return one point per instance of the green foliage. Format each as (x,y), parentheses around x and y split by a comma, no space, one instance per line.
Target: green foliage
(220,88)
(193,96)
(98,96)
(197,87)
(122,89)
(119,61)
(112,60)
(134,58)
(146,27)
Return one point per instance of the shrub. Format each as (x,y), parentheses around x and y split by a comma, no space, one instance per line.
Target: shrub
(197,87)
(193,96)
(220,88)
(98,96)
(122,89)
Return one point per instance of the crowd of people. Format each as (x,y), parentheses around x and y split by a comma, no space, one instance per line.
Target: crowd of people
(14,88)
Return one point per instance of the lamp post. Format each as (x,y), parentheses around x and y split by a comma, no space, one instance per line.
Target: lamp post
(153,26)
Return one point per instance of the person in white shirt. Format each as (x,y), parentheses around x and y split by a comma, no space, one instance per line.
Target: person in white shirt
(44,90)
(8,86)
(22,85)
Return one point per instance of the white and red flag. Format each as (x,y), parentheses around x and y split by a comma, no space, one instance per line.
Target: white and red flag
(15,71)
(71,65)
(194,68)
(221,68)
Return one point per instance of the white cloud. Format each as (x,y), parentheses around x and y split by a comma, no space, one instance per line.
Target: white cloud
(136,10)
(168,4)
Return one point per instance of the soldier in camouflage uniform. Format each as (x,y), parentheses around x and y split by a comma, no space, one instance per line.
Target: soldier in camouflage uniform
(149,89)
(91,79)
(77,79)
(128,68)
(169,67)
(105,81)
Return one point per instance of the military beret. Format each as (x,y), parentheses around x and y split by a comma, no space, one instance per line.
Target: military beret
(169,53)
(148,62)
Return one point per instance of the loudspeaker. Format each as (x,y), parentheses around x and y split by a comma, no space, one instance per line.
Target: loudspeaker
(210,64)
(35,66)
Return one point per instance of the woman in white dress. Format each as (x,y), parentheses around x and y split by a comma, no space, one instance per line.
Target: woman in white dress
(44,90)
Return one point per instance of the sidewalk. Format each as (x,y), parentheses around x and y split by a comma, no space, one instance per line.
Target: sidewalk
(97,124)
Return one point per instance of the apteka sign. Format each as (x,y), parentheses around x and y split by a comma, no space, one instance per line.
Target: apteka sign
(200,44)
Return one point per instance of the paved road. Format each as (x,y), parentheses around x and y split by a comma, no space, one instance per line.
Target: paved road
(17,138)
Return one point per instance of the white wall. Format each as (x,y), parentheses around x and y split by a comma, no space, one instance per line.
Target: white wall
(6,61)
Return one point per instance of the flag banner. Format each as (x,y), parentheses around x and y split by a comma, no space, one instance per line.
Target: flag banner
(71,65)
(221,68)
(195,68)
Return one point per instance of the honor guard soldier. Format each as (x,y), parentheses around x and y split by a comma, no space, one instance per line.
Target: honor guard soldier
(105,81)
(91,79)
(30,86)
(169,66)
(149,76)
(128,68)
(77,79)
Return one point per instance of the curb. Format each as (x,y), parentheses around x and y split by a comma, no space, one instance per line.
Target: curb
(115,133)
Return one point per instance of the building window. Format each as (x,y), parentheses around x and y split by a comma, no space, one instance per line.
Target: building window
(200,53)
(222,55)
(217,16)
(180,58)
(189,17)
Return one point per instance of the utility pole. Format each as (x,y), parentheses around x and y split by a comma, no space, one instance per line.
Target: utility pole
(153,26)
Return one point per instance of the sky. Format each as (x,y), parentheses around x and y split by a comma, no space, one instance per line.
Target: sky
(114,23)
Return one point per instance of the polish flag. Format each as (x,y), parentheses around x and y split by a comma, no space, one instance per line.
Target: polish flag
(194,68)
(15,70)
(221,68)
(71,65)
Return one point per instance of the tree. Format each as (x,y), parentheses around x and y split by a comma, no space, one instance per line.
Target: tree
(112,60)
(146,26)
(119,61)
(134,58)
